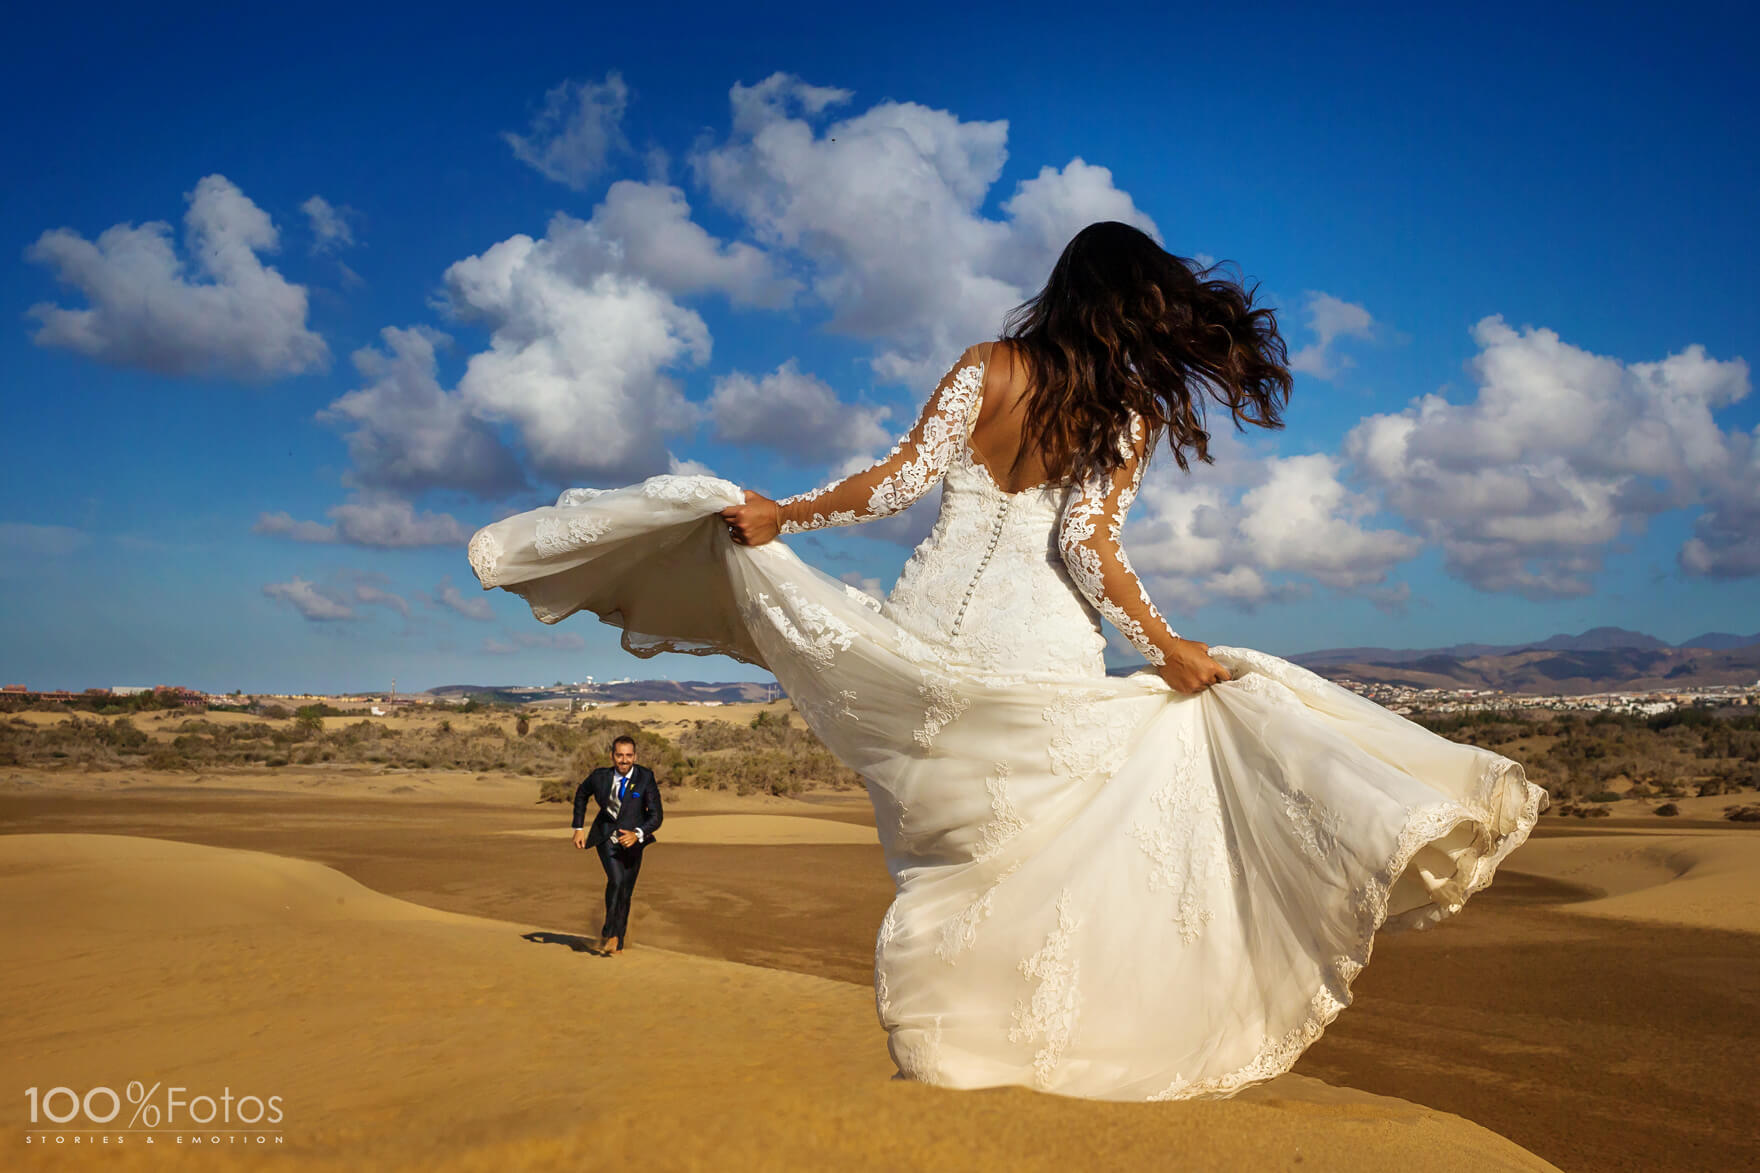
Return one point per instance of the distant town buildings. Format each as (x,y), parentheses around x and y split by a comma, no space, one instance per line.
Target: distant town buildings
(1408,701)
(24,694)
(583,695)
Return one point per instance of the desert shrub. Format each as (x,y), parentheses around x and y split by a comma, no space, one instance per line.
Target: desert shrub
(168,758)
(1592,812)
(118,734)
(1742,814)
(1604,796)
(1677,718)
(320,709)
(523,726)
(1667,809)
(561,738)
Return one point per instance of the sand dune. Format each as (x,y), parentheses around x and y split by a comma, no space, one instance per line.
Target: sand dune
(1705,879)
(398,1035)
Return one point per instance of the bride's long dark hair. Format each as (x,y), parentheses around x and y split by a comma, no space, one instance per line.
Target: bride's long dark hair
(1124,325)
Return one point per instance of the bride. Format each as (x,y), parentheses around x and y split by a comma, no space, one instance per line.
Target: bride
(1149,887)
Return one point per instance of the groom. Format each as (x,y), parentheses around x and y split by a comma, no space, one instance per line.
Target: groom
(629,814)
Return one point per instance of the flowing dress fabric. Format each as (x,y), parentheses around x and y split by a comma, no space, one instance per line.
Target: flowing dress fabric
(1105,888)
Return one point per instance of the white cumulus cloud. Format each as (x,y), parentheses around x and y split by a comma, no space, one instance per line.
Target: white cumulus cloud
(385,523)
(1726,537)
(217,311)
(578,356)
(646,229)
(409,433)
(881,210)
(794,413)
(330,228)
(374,595)
(1330,318)
(1558,453)
(1254,529)
(450,597)
(580,125)
(308,600)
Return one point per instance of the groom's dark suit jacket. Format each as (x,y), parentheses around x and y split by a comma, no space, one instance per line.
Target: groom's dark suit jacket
(640,810)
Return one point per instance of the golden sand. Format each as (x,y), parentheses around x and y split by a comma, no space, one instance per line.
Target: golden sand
(398,1035)
(396,954)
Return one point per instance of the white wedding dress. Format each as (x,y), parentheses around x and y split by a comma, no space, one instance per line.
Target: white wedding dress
(1105,888)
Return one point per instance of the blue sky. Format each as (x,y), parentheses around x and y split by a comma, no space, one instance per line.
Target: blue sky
(445,264)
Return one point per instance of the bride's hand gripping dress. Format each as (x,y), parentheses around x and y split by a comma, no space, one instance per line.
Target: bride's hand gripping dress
(1106,887)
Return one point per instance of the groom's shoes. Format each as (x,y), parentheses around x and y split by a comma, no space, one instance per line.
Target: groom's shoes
(611,946)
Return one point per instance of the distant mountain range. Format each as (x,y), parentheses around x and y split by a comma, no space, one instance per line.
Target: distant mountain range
(625,690)
(1601,659)
(1596,639)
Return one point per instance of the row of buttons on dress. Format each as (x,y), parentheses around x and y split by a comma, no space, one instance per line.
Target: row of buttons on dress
(972,588)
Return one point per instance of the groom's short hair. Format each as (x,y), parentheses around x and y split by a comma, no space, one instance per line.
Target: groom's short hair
(620,739)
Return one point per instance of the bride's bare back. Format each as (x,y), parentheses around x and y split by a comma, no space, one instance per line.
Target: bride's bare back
(1002,415)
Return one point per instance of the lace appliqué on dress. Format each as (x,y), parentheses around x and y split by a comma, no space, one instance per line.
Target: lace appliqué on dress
(1186,841)
(961,933)
(1050,1014)
(1088,559)
(942,705)
(818,636)
(820,712)
(1005,821)
(925,458)
(819,520)
(1316,827)
(559,535)
(685,490)
(1090,738)
(484,553)
(918,1052)
(882,992)
(861,596)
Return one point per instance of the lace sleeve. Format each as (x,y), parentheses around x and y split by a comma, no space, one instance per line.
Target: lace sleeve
(1096,558)
(915,463)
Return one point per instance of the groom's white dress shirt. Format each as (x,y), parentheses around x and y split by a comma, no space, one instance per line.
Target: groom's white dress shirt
(618,788)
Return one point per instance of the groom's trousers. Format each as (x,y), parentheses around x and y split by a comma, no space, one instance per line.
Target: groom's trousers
(621,866)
